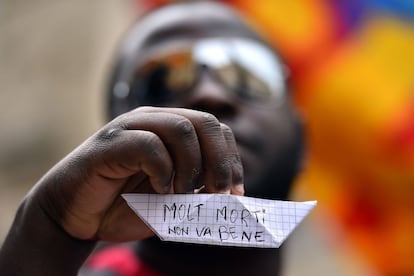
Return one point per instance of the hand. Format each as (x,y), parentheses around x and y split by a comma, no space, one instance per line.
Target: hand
(148,150)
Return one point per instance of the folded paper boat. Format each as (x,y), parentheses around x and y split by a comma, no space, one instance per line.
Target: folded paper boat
(219,219)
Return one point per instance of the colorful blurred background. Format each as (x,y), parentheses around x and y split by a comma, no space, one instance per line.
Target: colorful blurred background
(352,65)
(352,76)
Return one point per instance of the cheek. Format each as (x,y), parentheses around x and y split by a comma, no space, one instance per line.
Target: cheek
(265,125)
(271,130)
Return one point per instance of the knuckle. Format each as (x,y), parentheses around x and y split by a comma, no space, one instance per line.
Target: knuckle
(150,144)
(123,117)
(225,128)
(184,128)
(109,133)
(121,122)
(131,115)
(209,120)
(114,128)
(151,148)
(227,131)
(144,109)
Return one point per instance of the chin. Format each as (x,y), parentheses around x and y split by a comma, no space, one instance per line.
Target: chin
(273,181)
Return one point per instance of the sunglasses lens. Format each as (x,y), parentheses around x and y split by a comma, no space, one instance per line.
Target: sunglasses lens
(246,68)
(149,87)
(181,77)
(261,71)
(164,78)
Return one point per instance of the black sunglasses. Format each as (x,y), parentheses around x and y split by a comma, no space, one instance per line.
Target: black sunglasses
(247,69)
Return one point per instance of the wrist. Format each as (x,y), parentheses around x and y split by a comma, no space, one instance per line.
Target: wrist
(37,245)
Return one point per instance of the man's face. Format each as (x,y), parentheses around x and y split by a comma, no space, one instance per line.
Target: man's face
(190,71)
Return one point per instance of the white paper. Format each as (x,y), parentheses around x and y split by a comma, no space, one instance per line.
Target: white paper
(219,219)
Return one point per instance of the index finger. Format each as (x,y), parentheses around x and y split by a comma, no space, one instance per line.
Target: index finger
(216,161)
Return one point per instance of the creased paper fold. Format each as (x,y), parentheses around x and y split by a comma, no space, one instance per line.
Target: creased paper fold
(219,219)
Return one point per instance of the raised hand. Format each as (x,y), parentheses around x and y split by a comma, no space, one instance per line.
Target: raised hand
(148,150)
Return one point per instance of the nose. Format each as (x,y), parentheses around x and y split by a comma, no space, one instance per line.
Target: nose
(211,96)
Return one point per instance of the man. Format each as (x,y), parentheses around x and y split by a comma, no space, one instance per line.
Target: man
(215,99)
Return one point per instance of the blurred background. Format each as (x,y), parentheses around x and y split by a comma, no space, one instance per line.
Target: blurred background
(54,58)
(352,75)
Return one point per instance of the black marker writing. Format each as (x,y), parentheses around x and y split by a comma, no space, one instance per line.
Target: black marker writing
(182,211)
(179,231)
(235,215)
(204,231)
(226,233)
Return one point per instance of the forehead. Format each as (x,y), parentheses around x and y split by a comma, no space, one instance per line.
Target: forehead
(175,26)
(186,22)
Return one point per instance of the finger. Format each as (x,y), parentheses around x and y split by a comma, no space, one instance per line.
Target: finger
(217,173)
(122,224)
(237,186)
(180,138)
(128,152)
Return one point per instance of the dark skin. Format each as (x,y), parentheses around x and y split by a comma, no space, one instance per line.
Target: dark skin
(200,142)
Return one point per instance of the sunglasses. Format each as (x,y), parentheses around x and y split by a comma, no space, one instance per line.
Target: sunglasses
(247,69)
